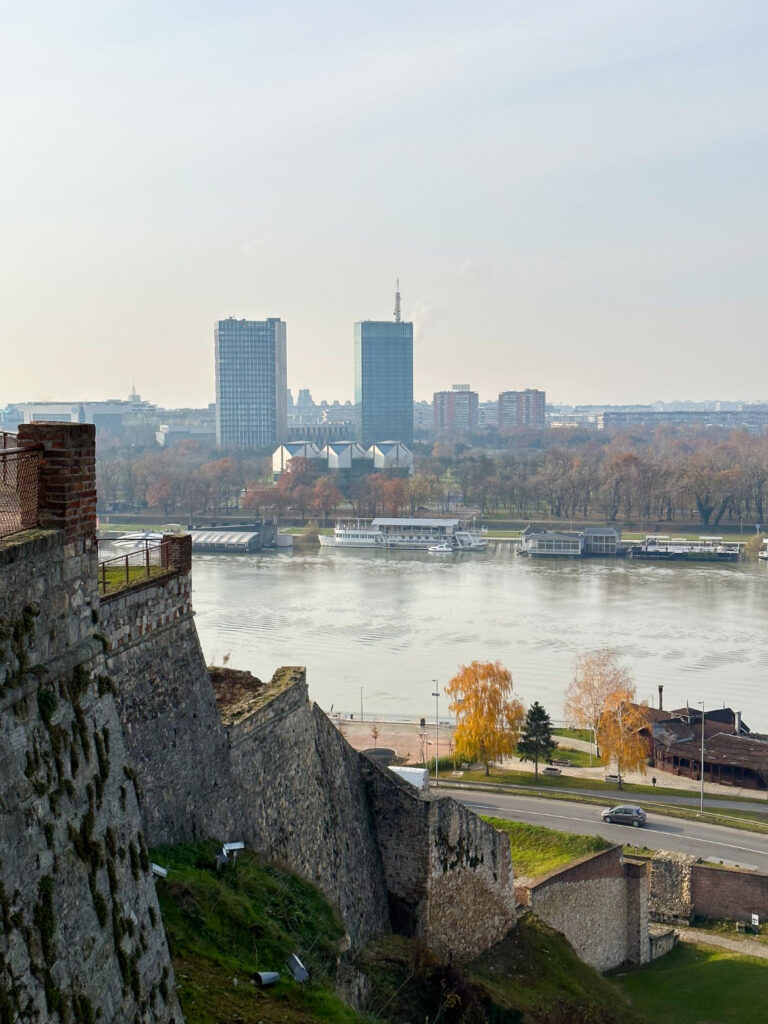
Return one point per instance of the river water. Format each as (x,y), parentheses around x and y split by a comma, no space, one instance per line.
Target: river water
(392,622)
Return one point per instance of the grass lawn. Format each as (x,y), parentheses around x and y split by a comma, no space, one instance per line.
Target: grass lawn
(578,758)
(574,734)
(699,985)
(114,576)
(537,850)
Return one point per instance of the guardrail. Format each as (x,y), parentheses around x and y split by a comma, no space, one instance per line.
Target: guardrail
(145,562)
(19,484)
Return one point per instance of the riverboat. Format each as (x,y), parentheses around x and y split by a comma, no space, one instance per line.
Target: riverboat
(663,548)
(763,552)
(404,534)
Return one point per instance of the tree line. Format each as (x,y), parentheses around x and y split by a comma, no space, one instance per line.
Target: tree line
(493,724)
(660,477)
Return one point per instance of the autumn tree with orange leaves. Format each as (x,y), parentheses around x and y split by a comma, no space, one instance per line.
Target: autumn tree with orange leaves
(619,732)
(597,674)
(488,718)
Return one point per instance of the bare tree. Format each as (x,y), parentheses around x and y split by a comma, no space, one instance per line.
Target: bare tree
(597,675)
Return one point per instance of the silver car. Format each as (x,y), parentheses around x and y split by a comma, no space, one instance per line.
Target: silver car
(624,814)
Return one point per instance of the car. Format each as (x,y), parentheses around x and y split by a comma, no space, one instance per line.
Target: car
(624,814)
(551,770)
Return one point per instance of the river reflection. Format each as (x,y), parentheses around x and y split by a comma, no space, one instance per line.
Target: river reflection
(392,622)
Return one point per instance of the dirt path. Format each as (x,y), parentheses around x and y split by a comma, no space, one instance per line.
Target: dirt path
(744,947)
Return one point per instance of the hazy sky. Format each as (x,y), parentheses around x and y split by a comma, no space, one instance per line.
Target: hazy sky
(573,195)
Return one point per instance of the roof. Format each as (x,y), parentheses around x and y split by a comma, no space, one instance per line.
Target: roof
(416,522)
(725,716)
(224,538)
(727,749)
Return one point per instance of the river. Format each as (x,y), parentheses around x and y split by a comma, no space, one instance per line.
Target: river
(392,622)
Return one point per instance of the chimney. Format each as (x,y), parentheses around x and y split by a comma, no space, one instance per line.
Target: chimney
(737,722)
(661,696)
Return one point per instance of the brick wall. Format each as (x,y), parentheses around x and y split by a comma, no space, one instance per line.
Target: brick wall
(67,489)
(732,894)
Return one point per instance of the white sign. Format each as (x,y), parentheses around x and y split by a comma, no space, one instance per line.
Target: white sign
(756,920)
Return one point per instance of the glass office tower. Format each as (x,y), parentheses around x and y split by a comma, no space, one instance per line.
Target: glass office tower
(384,381)
(251,383)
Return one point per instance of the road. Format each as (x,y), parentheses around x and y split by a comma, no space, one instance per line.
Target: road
(732,846)
(612,796)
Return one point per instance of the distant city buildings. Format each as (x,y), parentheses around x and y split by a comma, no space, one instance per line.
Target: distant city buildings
(753,417)
(455,411)
(384,379)
(117,416)
(251,382)
(522,409)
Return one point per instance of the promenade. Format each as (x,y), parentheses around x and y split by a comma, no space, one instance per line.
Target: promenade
(406,740)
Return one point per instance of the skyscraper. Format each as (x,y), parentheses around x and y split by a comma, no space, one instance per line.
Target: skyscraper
(384,379)
(251,382)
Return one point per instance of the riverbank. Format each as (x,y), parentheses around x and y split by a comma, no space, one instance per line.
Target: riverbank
(409,740)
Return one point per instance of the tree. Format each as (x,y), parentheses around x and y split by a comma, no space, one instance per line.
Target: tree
(488,718)
(596,675)
(326,496)
(536,740)
(619,732)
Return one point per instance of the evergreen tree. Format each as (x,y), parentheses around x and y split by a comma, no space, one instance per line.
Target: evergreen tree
(536,740)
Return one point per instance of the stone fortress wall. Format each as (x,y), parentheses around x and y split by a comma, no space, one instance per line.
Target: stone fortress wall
(600,904)
(80,926)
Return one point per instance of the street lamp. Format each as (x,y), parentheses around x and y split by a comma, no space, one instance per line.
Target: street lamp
(361,703)
(701,800)
(436,695)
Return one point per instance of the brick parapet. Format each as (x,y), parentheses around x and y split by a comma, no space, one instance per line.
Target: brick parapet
(67,477)
(177,551)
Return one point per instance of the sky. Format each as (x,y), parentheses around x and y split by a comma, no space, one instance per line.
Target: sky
(572,194)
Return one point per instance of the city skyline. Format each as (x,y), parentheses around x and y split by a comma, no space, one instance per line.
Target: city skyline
(572,186)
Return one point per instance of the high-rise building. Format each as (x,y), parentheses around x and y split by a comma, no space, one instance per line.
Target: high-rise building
(455,411)
(384,379)
(251,383)
(522,409)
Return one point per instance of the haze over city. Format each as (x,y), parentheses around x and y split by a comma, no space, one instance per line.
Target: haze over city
(572,195)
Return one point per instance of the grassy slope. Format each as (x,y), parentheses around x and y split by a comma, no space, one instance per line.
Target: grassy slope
(537,850)
(532,977)
(700,985)
(225,927)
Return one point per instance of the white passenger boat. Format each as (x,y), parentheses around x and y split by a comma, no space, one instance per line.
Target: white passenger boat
(405,534)
(763,552)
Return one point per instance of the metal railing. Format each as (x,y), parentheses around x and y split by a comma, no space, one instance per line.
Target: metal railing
(19,484)
(143,563)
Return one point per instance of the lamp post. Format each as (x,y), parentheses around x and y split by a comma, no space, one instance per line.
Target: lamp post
(701,800)
(436,695)
(361,703)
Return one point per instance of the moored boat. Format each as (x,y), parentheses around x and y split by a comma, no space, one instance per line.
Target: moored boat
(404,534)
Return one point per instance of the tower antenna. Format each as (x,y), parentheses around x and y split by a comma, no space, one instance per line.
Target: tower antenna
(397,302)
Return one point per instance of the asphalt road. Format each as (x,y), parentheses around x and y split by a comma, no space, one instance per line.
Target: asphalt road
(732,846)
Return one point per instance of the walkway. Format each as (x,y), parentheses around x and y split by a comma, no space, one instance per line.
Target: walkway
(744,947)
